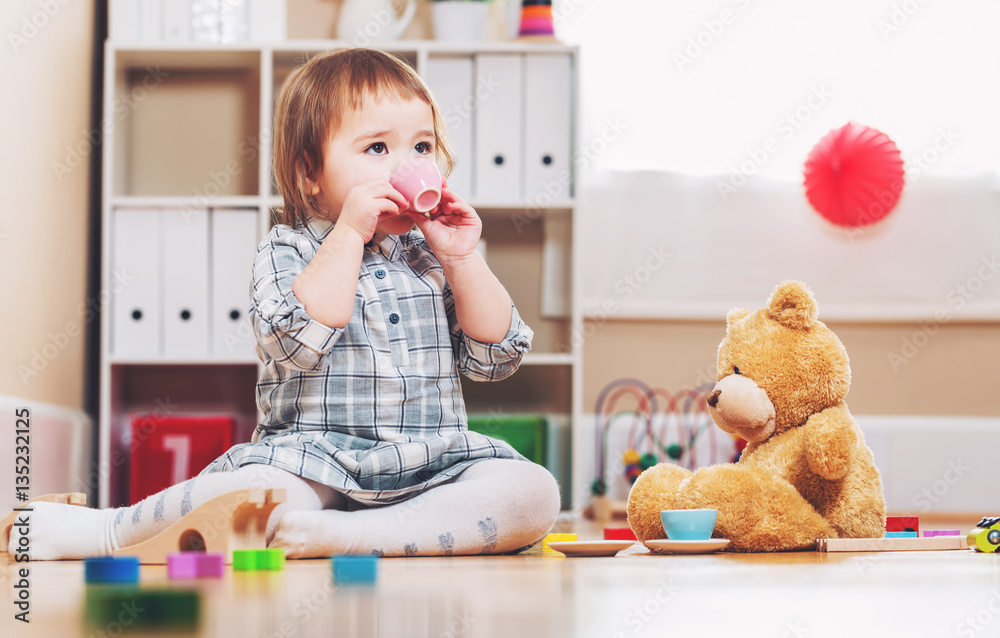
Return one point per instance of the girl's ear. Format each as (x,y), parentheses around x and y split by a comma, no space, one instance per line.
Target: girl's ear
(309,185)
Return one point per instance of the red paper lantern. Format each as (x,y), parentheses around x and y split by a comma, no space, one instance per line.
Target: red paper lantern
(854,175)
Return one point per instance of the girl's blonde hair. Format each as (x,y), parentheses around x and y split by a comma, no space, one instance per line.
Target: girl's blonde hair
(311,105)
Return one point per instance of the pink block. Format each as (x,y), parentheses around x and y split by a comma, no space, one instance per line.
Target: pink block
(182,565)
(928,533)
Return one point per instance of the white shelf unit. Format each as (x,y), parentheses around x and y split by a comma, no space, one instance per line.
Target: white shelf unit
(188,129)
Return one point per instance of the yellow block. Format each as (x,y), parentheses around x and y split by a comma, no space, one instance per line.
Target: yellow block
(555,538)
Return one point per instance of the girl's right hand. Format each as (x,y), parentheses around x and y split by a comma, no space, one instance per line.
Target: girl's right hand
(368,203)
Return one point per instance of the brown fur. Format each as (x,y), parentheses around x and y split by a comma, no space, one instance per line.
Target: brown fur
(813,477)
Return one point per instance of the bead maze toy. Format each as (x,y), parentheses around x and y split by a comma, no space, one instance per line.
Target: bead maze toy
(985,536)
(69,498)
(228,522)
(654,413)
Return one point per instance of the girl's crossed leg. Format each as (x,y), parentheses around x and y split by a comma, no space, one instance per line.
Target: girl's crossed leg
(494,506)
(70,531)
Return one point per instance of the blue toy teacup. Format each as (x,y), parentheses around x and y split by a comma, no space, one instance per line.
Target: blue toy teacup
(689,525)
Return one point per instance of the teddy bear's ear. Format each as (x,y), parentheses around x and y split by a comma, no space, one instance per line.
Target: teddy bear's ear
(735,315)
(792,305)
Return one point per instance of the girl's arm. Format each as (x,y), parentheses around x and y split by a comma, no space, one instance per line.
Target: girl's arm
(482,305)
(328,284)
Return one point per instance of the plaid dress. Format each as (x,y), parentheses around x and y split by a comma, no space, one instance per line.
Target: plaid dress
(374,409)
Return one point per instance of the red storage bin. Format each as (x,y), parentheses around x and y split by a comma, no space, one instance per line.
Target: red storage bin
(167,450)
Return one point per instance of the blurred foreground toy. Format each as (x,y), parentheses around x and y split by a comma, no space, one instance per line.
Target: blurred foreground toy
(111,570)
(259,560)
(182,565)
(355,570)
(130,608)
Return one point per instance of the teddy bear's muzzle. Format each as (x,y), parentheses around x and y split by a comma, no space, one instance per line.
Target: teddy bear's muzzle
(740,406)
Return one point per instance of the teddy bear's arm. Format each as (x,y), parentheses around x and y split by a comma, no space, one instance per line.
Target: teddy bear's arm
(831,437)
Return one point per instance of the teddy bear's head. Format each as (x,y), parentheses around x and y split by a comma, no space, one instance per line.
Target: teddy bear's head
(777,366)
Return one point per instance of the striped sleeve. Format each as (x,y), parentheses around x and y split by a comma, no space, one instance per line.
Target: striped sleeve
(285,332)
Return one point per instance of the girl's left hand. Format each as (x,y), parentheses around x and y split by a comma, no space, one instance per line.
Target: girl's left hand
(454,228)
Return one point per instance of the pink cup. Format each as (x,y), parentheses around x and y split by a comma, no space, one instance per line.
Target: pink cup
(419,181)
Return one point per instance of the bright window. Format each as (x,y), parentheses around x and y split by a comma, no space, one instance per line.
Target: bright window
(709,88)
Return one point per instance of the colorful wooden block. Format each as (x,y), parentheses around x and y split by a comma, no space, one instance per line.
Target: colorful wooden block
(182,565)
(272,559)
(619,534)
(901,535)
(931,533)
(902,524)
(123,569)
(355,570)
(151,609)
(557,538)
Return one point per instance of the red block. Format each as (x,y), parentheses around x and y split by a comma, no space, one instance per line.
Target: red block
(619,534)
(167,450)
(902,524)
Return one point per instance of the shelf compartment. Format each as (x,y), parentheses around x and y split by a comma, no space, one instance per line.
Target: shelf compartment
(188,123)
(174,390)
(530,390)
(515,254)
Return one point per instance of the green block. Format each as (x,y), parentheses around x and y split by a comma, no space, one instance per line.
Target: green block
(527,434)
(259,559)
(120,609)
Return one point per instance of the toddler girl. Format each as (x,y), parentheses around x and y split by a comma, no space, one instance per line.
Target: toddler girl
(362,326)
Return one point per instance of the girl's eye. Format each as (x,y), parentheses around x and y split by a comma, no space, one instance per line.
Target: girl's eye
(736,370)
(378,148)
(424,148)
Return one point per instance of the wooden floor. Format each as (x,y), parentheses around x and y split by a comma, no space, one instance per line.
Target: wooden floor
(954,593)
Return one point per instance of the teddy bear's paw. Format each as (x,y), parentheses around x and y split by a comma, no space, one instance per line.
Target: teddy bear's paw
(654,490)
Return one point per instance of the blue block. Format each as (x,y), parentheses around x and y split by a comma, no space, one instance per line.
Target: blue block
(124,569)
(354,570)
(900,534)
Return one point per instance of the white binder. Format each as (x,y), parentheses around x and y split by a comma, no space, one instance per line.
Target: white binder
(136,322)
(151,20)
(547,125)
(123,20)
(185,283)
(451,81)
(234,247)
(499,113)
(176,21)
(267,20)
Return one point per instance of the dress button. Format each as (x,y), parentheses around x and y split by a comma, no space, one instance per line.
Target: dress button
(394,318)
(380,274)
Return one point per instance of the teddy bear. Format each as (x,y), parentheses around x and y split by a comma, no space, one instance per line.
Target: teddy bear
(806,472)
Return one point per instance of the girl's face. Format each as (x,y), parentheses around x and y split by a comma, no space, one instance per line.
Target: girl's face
(372,142)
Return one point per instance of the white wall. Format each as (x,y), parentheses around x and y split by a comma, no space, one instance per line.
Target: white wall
(45,62)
